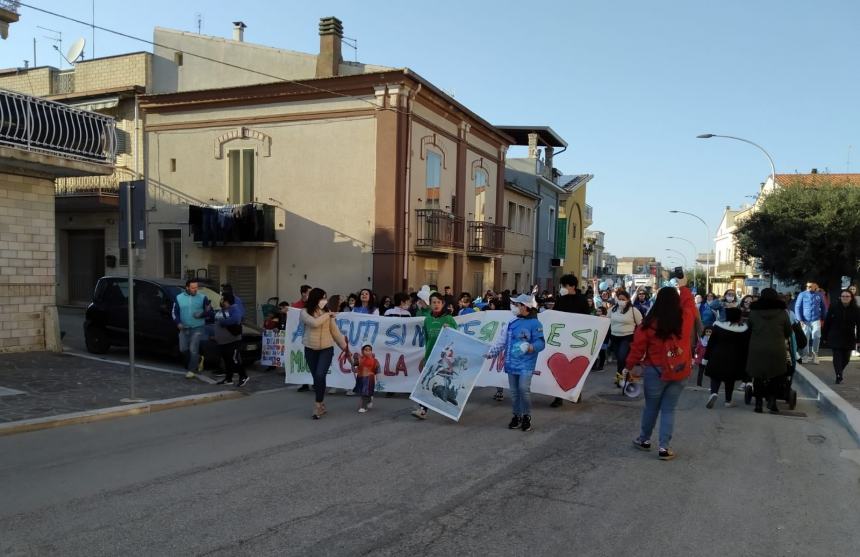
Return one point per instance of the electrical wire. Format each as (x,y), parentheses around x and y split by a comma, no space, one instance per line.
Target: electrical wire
(209,59)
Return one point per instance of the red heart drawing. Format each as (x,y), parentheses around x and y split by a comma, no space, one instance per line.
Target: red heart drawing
(567,373)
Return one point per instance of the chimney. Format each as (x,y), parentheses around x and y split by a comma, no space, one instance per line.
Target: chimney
(329,59)
(533,145)
(239,31)
(548,153)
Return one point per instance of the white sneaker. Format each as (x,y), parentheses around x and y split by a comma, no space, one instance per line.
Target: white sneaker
(332,390)
(370,405)
(349,392)
(729,404)
(362,410)
(711,400)
(420,414)
(815,359)
(190,375)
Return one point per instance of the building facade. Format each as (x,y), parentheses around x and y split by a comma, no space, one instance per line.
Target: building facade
(87,207)
(576,216)
(374,180)
(40,141)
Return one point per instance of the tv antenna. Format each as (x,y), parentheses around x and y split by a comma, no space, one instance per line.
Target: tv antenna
(199,17)
(56,37)
(353,44)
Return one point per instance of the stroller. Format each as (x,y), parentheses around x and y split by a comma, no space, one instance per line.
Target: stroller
(782,388)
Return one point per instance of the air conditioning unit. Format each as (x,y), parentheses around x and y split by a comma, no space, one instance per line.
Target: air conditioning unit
(556,262)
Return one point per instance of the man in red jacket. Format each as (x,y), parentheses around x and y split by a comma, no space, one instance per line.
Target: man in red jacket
(662,347)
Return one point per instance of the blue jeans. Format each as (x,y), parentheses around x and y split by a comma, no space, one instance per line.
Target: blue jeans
(621,346)
(812,329)
(318,363)
(520,386)
(189,342)
(660,397)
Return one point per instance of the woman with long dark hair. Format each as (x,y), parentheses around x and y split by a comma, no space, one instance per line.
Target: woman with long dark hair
(366,302)
(662,346)
(768,353)
(320,336)
(840,329)
(623,320)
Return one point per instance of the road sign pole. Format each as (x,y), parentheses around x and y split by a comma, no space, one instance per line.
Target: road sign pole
(129,247)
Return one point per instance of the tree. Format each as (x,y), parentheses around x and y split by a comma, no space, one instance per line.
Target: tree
(805,230)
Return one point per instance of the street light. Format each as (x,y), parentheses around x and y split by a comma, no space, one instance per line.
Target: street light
(707,247)
(757,146)
(684,257)
(694,253)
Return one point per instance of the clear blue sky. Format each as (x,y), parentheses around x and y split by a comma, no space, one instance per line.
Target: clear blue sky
(629,84)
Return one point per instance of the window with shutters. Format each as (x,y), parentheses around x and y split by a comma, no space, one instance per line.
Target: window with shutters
(240,176)
(433,178)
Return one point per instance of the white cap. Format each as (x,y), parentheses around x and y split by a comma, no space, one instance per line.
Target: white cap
(526,300)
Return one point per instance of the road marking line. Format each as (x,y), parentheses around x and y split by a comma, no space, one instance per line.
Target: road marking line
(71,352)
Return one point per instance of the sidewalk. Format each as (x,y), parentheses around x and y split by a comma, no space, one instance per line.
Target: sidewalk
(843,399)
(44,384)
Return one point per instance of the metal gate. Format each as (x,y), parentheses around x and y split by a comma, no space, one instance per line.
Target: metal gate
(86,264)
(244,282)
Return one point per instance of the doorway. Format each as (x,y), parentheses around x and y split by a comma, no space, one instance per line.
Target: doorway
(86,264)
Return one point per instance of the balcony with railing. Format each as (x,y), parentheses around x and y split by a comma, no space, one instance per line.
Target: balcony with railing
(588,216)
(439,230)
(485,239)
(39,126)
(732,268)
(90,193)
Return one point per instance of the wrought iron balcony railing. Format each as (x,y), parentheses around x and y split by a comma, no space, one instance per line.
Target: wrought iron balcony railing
(485,238)
(38,125)
(93,185)
(439,230)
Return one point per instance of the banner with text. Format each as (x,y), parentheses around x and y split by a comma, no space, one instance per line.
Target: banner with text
(572,345)
(273,348)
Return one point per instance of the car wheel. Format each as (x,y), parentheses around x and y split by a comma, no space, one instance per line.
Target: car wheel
(96,340)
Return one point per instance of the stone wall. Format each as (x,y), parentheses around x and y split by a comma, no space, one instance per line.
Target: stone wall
(27,273)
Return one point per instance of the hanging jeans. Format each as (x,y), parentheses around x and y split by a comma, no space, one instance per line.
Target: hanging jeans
(318,363)
(661,397)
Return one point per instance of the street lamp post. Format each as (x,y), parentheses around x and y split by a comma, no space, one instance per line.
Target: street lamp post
(694,253)
(757,146)
(707,247)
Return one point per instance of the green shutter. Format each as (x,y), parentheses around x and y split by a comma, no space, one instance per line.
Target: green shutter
(560,238)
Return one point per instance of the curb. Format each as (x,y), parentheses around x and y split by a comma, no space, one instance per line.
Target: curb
(88,416)
(847,413)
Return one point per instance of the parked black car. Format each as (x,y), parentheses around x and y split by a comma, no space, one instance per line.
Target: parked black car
(106,322)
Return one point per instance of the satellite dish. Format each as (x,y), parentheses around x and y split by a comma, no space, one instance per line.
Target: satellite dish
(76,50)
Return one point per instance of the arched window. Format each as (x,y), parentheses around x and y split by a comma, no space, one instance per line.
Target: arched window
(482,181)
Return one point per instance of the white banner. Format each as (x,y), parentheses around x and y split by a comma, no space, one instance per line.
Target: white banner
(273,348)
(572,345)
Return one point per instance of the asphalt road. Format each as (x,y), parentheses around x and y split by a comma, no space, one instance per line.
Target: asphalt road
(256,476)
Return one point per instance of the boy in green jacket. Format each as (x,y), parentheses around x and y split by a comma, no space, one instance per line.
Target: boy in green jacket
(433,325)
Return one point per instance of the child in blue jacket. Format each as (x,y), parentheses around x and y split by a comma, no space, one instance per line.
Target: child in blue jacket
(521,342)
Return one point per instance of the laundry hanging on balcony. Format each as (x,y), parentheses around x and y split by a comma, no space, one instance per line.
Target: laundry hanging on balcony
(219,225)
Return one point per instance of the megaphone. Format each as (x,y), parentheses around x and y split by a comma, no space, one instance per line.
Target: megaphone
(630,388)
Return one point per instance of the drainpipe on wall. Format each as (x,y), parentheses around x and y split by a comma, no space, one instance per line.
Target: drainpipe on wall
(410,103)
(536,257)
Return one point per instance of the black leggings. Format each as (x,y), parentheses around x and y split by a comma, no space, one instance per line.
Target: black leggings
(318,363)
(730,386)
(840,360)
